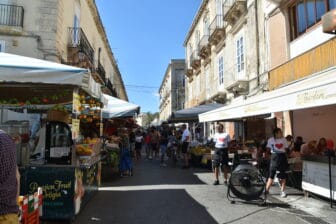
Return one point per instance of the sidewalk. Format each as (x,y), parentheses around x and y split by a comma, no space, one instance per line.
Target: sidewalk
(310,208)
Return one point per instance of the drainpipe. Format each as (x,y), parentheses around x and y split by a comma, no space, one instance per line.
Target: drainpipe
(257,40)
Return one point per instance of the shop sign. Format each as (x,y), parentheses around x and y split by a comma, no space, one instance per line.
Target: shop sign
(310,97)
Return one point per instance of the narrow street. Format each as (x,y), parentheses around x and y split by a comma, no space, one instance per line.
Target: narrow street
(170,194)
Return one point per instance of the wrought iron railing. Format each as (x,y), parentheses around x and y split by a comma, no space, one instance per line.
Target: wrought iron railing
(217,23)
(77,38)
(101,72)
(11,15)
(204,41)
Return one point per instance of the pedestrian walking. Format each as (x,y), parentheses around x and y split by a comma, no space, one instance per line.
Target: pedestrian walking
(278,146)
(9,180)
(220,156)
(186,137)
(164,133)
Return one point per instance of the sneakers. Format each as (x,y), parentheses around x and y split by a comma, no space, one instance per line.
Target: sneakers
(216,182)
(163,164)
(283,194)
(225,182)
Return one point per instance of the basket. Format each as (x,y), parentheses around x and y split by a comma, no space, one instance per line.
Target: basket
(55,115)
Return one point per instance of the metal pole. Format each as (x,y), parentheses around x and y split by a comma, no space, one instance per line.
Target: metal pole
(330,180)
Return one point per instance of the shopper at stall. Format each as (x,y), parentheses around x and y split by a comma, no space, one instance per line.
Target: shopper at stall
(278,146)
(186,137)
(126,165)
(9,180)
(220,157)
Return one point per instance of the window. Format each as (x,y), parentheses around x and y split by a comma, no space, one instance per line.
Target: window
(220,70)
(240,54)
(2,46)
(306,13)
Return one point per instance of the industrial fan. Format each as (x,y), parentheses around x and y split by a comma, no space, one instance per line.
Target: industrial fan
(246,183)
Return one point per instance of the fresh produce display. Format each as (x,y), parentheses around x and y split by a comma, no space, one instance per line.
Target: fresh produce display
(199,150)
(84,149)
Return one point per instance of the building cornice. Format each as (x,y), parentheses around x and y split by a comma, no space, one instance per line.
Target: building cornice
(195,21)
(96,17)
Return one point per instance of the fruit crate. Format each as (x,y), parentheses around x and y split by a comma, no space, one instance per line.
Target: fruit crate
(31,208)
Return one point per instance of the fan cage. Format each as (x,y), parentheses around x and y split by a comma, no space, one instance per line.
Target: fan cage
(246,182)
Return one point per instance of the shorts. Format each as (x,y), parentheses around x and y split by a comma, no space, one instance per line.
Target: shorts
(185,147)
(220,156)
(163,148)
(138,145)
(278,163)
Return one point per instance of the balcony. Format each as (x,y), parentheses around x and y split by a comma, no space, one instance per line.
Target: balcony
(204,46)
(277,2)
(195,60)
(99,74)
(11,16)
(315,60)
(238,84)
(190,72)
(80,51)
(233,10)
(217,30)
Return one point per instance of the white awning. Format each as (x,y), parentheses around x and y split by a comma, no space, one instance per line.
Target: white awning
(313,91)
(118,108)
(15,68)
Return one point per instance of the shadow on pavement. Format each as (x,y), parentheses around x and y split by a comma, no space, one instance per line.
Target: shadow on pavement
(151,173)
(153,206)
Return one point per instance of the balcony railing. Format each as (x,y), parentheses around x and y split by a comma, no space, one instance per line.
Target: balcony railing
(11,15)
(217,30)
(78,39)
(308,63)
(101,72)
(195,60)
(204,46)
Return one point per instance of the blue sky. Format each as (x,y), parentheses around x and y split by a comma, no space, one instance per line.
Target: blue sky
(144,36)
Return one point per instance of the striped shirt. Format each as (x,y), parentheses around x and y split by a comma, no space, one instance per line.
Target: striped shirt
(8,182)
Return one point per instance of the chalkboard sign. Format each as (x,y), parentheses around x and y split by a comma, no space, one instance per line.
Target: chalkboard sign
(58,189)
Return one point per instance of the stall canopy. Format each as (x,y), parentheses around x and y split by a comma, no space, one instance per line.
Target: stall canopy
(313,91)
(116,108)
(20,69)
(191,114)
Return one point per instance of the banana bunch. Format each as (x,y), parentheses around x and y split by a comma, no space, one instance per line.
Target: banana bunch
(83,150)
(197,151)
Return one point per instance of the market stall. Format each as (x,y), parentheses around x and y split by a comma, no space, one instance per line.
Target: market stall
(64,160)
(116,114)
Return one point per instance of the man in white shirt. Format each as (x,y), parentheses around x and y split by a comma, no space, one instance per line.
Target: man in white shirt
(220,155)
(185,145)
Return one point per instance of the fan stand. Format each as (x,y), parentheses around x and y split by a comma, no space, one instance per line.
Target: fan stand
(261,201)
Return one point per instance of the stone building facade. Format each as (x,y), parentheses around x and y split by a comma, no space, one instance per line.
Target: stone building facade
(226,54)
(63,31)
(172,89)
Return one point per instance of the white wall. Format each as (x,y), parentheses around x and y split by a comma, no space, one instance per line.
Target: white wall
(315,123)
(308,41)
